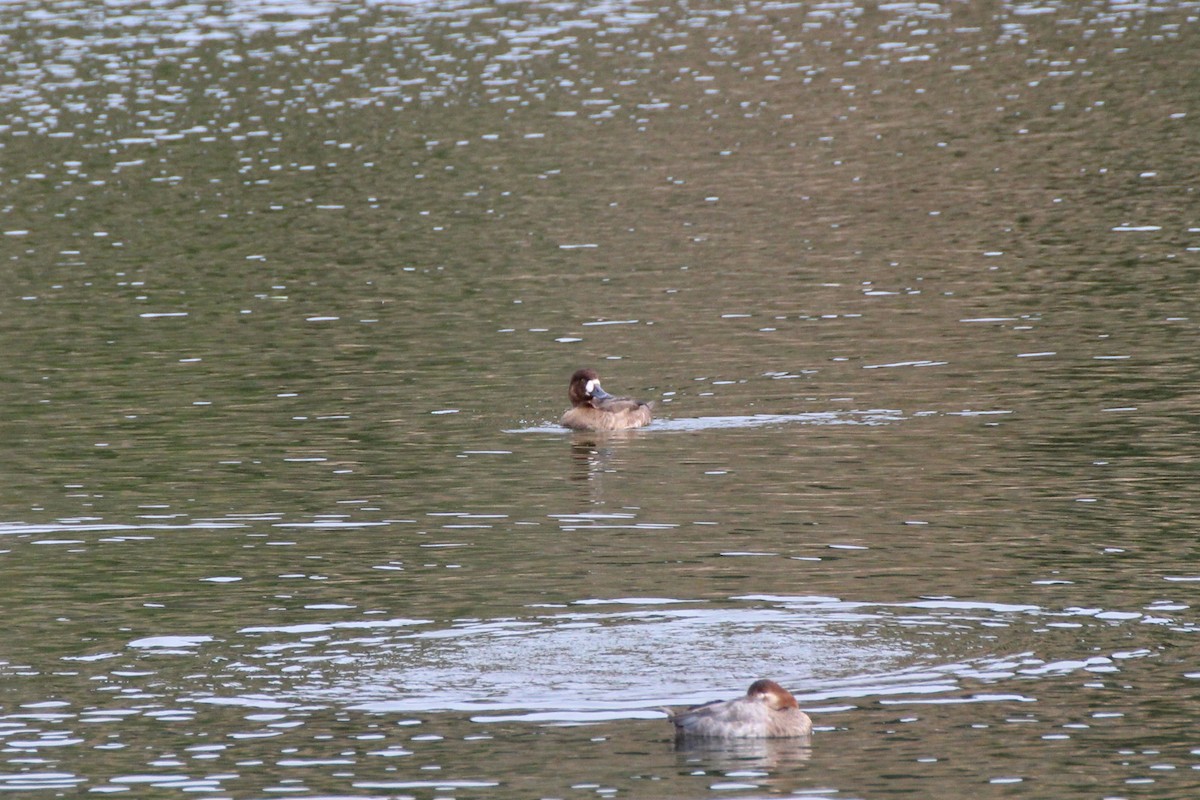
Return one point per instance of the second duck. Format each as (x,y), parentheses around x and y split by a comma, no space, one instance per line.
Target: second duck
(593,409)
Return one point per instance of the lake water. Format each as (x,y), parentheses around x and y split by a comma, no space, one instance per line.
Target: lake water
(292,292)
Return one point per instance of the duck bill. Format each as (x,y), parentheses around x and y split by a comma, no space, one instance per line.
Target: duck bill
(599,394)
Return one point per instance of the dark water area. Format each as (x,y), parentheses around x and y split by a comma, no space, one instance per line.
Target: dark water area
(292,292)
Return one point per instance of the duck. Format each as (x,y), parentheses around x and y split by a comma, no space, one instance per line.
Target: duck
(593,409)
(766,711)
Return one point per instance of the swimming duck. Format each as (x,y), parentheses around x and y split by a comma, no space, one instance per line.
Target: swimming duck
(766,711)
(593,409)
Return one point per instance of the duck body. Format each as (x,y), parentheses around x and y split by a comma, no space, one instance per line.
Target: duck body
(766,711)
(593,409)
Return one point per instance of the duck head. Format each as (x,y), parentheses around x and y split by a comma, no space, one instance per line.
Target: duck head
(585,388)
(775,696)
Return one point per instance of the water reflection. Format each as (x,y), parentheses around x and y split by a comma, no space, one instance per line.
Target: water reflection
(592,455)
(743,754)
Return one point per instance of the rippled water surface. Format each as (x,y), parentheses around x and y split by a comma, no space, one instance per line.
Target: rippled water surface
(291,295)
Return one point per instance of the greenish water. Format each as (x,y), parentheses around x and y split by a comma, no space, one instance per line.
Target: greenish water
(292,293)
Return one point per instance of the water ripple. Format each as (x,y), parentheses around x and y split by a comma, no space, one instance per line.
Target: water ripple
(591,663)
(689,424)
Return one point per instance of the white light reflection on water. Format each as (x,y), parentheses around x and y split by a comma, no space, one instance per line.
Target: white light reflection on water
(77,526)
(688,424)
(587,666)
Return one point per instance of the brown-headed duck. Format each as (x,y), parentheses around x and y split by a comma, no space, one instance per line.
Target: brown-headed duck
(593,409)
(766,711)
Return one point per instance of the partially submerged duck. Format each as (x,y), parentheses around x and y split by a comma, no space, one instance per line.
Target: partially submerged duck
(593,409)
(766,711)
